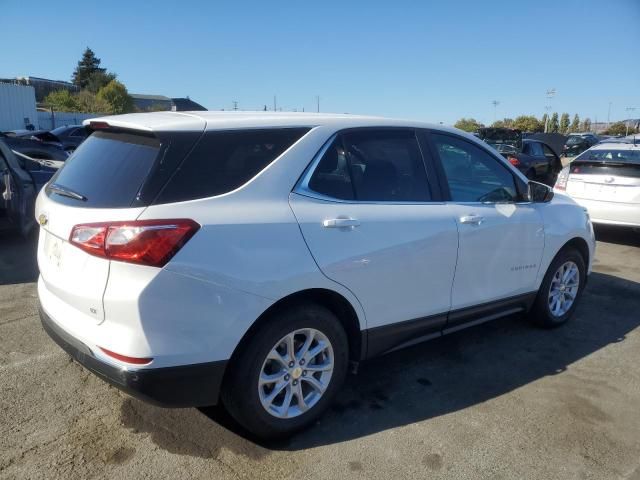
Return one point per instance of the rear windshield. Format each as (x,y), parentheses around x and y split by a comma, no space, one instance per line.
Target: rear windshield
(107,170)
(224,161)
(575,140)
(611,155)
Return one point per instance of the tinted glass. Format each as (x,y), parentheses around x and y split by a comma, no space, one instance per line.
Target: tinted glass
(575,140)
(224,161)
(331,176)
(473,174)
(611,155)
(548,152)
(535,149)
(108,169)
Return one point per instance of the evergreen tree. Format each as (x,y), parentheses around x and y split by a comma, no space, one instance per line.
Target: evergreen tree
(575,125)
(87,66)
(553,123)
(564,123)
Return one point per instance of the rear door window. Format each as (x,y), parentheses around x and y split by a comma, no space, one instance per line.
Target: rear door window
(223,161)
(108,170)
(535,149)
(373,165)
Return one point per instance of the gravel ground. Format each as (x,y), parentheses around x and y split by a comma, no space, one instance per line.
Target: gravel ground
(502,400)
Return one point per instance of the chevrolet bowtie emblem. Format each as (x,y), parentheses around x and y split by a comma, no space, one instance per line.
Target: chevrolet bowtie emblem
(42,219)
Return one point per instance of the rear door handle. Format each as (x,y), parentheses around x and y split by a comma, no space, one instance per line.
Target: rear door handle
(340,222)
(472,219)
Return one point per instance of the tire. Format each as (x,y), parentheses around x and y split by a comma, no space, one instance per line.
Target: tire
(243,396)
(546,312)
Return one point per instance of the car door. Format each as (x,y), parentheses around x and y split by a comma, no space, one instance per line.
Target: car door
(540,163)
(553,162)
(18,190)
(501,238)
(373,223)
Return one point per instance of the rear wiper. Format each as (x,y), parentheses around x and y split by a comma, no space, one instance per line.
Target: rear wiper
(65,192)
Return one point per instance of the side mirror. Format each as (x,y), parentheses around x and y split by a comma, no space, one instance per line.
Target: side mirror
(539,192)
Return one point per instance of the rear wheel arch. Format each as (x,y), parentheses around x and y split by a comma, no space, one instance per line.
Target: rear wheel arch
(333,301)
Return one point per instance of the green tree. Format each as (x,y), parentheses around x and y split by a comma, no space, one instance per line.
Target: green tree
(564,123)
(575,124)
(116,95)
(618,128)
(90,103)
(99,79)
(468,124)
(504,123)
(87,66)
(528,123)
(62,101)
(553,123)
(586,125)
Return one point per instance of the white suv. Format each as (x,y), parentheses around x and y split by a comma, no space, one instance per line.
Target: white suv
(251,258)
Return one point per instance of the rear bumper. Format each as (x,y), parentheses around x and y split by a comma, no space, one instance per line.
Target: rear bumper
(612,213)
(195,385)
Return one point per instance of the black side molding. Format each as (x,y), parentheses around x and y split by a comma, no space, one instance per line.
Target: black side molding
(196,385)
(403,334)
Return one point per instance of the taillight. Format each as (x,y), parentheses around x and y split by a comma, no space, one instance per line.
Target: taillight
(145,242)
(124,358)
(563,178)
(513,161)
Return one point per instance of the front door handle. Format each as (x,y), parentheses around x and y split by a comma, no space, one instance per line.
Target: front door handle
(340,222)
(472,219)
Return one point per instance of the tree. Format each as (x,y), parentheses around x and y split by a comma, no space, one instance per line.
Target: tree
(468,124)
(88,65)
(544,120)
(62,101)
(553,123)
(99,79)
(564,123)
(505,123)
(586,125)
(116,95)
(90,103)
(528,123)
(575,124)
(618,128)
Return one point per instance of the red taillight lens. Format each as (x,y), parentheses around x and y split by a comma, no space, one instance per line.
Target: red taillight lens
(98,125)
(145,242)
(513,161)
(124,358)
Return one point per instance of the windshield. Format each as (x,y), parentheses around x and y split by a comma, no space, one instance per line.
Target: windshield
(61,130)
(611,155)
(575,140)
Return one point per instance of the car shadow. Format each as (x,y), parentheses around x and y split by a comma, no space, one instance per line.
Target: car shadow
(618,235)
(18,262)
(463,369)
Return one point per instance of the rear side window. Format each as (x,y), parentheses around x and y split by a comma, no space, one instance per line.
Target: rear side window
(375,166)
(535,149)
(224,161)
(108,170)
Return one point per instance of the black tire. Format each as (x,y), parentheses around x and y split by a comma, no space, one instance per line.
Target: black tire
(240,390)
(540,313)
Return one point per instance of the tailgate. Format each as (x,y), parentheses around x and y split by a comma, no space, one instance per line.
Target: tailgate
(605,182)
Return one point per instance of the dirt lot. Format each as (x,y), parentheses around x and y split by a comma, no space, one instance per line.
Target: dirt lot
(502,400)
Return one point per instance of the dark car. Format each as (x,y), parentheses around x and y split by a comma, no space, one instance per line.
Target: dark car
(70,136)
(534,158)
(45,146)
(21,178)
(578,143)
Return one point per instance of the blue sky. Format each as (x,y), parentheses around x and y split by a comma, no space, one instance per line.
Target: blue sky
(435,61)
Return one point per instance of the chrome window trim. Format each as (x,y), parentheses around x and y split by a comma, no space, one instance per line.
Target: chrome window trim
(302,187)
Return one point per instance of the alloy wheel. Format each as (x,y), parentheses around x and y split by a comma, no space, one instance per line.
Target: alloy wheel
(563,289)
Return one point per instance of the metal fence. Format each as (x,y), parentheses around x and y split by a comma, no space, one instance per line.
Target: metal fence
(51,120)
(17,106)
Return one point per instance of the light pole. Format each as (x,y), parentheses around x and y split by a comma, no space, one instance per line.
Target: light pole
(609,116)
(318,103)
(628,109)
(550,94)
(495,109)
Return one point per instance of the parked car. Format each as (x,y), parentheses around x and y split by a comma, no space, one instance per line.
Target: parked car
(606,180)
(534,158)
(70,136)
(578,143)
(21,178)
(252,258)
(34,148)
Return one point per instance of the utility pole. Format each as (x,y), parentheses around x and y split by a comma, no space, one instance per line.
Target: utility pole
(235,105)
(274,103)
(318,103)
(550,94)
(495,109)
(628,109)
(609,116)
